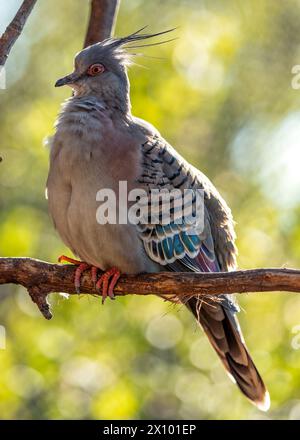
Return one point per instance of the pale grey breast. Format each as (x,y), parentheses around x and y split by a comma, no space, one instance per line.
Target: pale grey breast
(92,151)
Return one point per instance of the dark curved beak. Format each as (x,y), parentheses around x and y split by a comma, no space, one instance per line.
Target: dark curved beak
(67,80)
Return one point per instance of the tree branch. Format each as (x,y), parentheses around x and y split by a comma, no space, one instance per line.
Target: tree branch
(41,278)
(14,29)
(102,20)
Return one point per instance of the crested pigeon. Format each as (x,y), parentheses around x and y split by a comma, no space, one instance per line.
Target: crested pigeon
(99,143)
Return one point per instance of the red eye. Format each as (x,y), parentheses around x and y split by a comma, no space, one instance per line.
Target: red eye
(95,69)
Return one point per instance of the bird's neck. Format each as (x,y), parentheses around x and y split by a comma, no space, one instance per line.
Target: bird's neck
(115,102)
(116,105)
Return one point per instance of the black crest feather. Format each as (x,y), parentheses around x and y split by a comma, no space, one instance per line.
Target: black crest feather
(136,40)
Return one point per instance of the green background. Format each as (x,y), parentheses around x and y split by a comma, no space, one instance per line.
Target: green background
(222,96)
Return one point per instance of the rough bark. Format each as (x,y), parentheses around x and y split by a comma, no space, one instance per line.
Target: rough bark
(41,278)
(102,20)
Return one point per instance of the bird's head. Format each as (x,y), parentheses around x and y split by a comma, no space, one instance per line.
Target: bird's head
(101,69)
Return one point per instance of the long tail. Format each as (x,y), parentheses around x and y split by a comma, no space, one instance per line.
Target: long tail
(222,329)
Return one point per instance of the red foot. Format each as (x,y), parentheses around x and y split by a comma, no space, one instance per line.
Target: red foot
(108,282)
(82,266)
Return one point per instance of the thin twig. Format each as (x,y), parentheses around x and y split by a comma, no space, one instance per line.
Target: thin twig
(14,29)
(41,278)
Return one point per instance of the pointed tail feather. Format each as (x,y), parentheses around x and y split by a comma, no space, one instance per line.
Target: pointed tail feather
(222,329)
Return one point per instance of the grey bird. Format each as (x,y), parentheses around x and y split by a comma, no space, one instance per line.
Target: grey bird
(99,143)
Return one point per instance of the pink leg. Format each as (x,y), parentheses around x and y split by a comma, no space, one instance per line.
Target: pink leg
(78,274)
(108,282)
(81,267)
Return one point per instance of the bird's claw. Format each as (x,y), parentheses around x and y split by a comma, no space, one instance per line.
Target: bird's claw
(107,282)
(94,272)
(78,274)
(81,267)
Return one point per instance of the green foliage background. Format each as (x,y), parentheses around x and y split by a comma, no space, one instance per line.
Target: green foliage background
(222,95)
